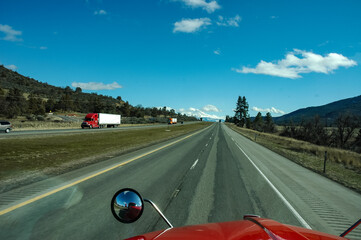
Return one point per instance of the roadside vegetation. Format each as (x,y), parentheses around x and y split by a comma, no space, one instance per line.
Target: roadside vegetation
(342,166)
(308,142)
(26,159)
(24,96)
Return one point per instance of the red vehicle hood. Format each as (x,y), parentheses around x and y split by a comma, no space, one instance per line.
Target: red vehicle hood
(256,228)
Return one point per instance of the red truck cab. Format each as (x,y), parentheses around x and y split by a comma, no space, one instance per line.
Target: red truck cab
(91,120)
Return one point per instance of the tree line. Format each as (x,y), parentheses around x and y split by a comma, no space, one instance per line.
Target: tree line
(242,119)
(24,96)
(340,134)
(14,103)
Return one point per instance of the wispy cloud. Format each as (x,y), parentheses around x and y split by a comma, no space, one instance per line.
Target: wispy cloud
(12,67)
(210,108)
(217,52)
(191,25)
(10,34)
(198,113)
(209,6)
(323,43)
(229,22)
(100,12)
(96,86)
(274,17)
(43,48)
(270,110)
(292,66)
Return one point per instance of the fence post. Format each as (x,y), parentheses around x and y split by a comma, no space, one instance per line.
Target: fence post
(324,163)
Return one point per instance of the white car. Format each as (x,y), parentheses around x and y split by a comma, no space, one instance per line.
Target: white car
(5,126)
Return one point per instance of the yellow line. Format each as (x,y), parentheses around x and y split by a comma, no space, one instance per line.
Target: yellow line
(2,212)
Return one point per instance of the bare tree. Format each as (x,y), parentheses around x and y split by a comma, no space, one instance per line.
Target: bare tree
(346,125)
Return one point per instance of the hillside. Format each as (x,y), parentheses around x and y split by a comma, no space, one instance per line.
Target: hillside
(23,96)
(328,113)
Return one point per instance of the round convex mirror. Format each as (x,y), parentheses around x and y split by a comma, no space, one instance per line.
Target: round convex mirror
(127,205)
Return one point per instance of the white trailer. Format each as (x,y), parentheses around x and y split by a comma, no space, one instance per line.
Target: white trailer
(109,120)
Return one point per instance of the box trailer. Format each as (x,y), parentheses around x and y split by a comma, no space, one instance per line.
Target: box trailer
(172,120)
(101,120)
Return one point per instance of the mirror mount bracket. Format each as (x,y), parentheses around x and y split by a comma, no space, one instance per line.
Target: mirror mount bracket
(160,212)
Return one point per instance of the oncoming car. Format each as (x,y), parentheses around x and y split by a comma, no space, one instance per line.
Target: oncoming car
(5,126)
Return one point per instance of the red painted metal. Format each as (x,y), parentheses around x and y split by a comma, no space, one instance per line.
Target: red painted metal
(252,228)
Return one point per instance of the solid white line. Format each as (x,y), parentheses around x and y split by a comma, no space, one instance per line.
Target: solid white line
(232,139)
(194,164)
(206,144)
(297,215)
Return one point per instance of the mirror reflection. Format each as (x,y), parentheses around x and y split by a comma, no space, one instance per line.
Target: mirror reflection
(127,206)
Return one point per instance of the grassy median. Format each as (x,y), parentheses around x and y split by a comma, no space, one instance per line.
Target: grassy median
(342,166)
(22,156)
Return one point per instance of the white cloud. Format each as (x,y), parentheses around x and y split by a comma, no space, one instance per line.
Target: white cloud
(217,52)
(209,6)
(96,86)
(274,17)
(10,34)
(43,48)
(210,108)
(271,110)
(191,25)
(12,67)
(198,113)
(292,66)
(100,12)
(229,22)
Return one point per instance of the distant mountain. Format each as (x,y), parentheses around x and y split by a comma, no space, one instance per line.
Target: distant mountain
(328,113)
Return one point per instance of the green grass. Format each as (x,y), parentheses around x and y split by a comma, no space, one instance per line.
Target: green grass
(342,166)
(28,154)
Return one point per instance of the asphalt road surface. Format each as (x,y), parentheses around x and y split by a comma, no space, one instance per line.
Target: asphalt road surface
(210,176)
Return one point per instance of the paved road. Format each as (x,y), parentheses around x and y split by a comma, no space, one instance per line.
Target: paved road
(214,175)
(17,133)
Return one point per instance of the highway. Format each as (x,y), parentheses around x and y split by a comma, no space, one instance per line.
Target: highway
(209,176)
(23,133)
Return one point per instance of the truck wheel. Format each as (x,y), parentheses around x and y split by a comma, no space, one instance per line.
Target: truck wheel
(7,130)
(82,127)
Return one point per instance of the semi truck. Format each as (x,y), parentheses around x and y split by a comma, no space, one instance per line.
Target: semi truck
(172,120)
(101,120)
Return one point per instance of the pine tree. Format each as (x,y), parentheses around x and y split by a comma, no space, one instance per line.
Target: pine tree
(241,112)
(269,125)
(258,122)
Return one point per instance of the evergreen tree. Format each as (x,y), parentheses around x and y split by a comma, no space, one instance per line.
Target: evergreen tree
(17,104)
(269,126)
(241,112)
(258,122)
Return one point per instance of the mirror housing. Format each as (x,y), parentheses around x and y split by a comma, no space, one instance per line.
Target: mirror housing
(127,205)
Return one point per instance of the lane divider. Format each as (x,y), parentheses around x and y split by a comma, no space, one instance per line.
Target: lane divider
(12,208)
(194,164)
(290,207)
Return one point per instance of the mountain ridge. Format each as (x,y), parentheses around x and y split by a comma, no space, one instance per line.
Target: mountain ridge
(328,113)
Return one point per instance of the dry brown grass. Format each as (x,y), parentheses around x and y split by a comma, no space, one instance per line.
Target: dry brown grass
(342,166)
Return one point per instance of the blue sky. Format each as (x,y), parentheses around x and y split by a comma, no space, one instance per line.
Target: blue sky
(196,56)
